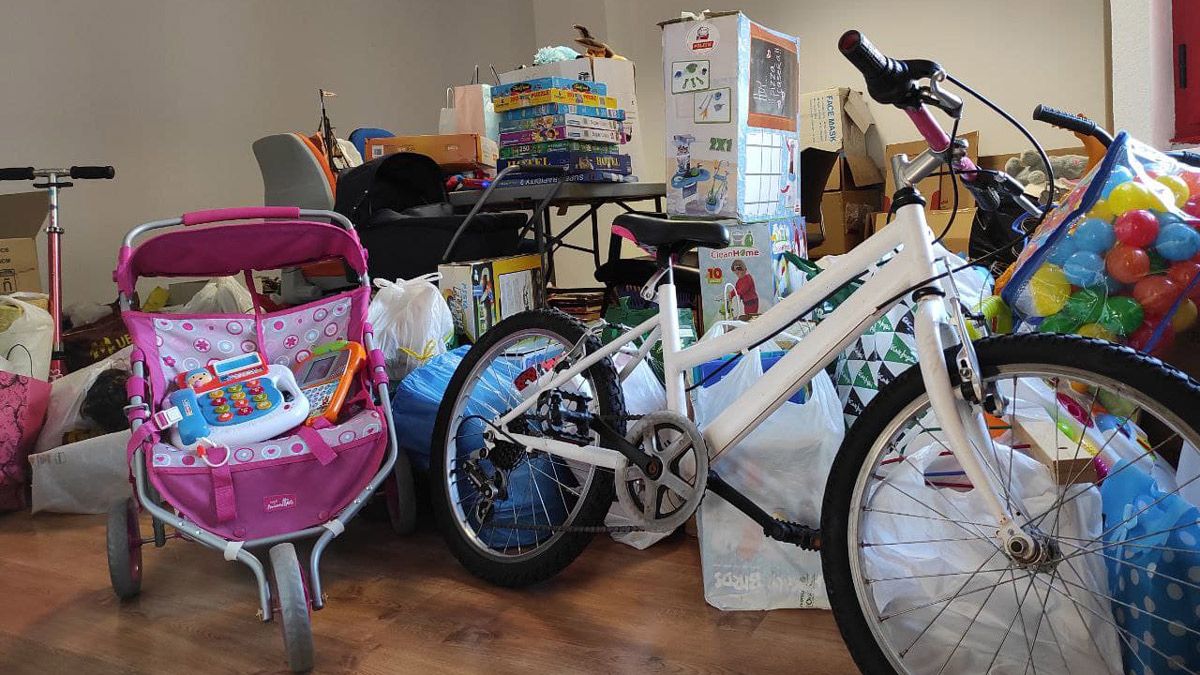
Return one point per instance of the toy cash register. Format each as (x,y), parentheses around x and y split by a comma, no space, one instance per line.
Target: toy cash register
(325,377)
(237,400)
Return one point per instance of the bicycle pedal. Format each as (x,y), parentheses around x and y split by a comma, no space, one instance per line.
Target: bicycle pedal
(788,532)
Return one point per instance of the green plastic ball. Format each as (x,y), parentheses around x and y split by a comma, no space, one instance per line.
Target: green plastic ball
(1059,323)
(1085,306)
(1122,315)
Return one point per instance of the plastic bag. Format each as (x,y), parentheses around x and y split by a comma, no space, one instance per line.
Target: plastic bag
(782,465)
(67,396)
(26,336)
(222,295)
(918,572)
(1117,259)
(412,322)
(83,477)
(416,401)
(1162,534)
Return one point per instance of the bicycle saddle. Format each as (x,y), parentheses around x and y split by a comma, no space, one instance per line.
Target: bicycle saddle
(677,236)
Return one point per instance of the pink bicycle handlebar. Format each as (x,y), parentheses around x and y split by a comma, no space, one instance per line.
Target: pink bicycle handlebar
(938,139)
(239,213)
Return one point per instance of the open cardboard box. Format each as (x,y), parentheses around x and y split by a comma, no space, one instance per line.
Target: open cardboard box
(956,239)
(837,121)
(938,191)
(21,218)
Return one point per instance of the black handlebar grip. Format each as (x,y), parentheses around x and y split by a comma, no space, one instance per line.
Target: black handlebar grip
(17,173)
(859,51)
(1064,120)
(92,172)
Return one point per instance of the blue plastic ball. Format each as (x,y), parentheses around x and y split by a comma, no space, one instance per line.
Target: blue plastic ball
(1062,250)
(1094,235)
(1120,174)
(1177,241)
(1107,422)
(1166,218)
(1084,268)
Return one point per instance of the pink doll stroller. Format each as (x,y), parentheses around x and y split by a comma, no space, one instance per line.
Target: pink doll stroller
(255,476)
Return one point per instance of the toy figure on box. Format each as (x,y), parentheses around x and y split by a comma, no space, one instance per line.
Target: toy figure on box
(744,289)
(686,177)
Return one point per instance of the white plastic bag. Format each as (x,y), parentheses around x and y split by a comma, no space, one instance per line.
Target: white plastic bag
(83,477)
(222,295)
(412,322)
(26,343)
(782,465)
(919,572)
(66,398)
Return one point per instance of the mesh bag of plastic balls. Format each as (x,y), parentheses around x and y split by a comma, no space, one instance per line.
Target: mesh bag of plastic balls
(1120,258)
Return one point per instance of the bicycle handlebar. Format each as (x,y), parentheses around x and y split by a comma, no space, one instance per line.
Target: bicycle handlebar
(1063,120)
(17,173)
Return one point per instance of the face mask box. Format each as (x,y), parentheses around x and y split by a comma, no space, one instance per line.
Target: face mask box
(732,118)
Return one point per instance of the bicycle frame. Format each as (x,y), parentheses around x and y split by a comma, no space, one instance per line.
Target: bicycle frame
(912,265)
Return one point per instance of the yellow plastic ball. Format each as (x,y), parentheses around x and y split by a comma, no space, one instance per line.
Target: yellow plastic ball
(1185,316)
(1132,195)
(1095,330)
(1101,210)
(996,315)
(1048,290)
(1178,188)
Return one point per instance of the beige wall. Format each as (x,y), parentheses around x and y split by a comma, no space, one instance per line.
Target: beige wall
(172,93)
(1142,70)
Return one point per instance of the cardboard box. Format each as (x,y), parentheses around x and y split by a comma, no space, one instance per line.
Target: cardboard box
(618,77)
(746,278)
(21,218)
(997,162)
(845,219)
(481,293)
(938,191)
(732,118)
(956,239)
(837,120)
(457,152)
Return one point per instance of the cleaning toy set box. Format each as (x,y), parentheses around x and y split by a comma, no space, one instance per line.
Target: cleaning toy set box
(593,152)
(481,293)
(732,118)
(749,276)
(561,120)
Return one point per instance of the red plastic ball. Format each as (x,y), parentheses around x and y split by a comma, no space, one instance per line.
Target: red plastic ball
(1156,294)
(1136,228)
(1192,207)
(1192,178)
(1182,273)
(1127,264)
(1141,338)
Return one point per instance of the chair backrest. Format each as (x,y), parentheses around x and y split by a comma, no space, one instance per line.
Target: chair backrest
(359,138)
(294,173)
(399,181)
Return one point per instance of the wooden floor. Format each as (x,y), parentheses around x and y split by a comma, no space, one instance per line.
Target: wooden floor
(396,605)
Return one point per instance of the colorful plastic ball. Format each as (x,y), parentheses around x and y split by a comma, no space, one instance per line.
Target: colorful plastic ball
(1094,235)
(1122,315)
(1142,338)
(1048,290)
(1177,241)
(1178,188)
(1191,177)
(1137,228)
(1058,323)
(1101,211)
(1131,196)
(1107,422)
(1085,306)
(1192,207)
(1155,294)
(1095,330)
(1116,404)
(1184,316)
(1158,264)
(1183,273)
(1119,174)
(996,313)
(1084,268)
(1127,264)
(1064,248)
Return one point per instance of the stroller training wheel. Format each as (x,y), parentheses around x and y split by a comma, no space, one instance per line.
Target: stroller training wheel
(400,498)
(294,614)
(124,549)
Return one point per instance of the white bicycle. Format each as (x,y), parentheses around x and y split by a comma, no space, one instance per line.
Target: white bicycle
(1004,566)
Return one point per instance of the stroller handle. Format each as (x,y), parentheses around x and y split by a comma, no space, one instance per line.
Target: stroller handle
(239,213)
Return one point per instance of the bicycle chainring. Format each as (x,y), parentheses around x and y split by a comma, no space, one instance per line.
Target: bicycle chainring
(665,502)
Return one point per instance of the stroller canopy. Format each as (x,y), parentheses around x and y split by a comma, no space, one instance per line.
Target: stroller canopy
(226,249)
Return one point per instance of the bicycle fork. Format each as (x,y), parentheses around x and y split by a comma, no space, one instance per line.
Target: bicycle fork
(960,423)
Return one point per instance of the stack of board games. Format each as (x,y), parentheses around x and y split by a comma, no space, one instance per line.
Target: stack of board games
(556,121)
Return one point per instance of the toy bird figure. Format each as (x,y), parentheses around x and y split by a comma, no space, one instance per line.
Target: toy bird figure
(595,48)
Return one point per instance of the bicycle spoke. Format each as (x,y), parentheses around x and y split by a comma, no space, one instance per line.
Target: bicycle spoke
(1011,622)
(937,575)
(940,519)
(1151,572)
(958,523)
(966,630)
(1087,629)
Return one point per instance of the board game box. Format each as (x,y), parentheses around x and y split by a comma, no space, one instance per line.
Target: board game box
(544,96)
(557,134)
(574,161)
(558,146)
(540,83)
(561,121)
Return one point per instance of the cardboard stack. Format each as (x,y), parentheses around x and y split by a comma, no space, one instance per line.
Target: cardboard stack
(555,121)
(732,140)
